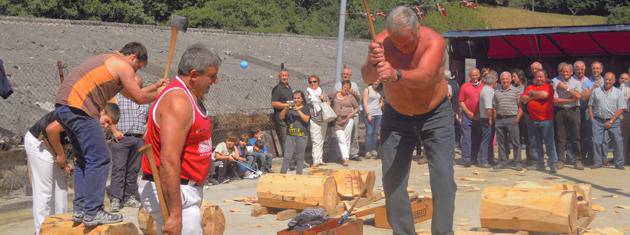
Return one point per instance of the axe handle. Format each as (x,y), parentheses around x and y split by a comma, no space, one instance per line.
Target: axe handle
(148,150)
(369,18)
(60,70)
(171,50)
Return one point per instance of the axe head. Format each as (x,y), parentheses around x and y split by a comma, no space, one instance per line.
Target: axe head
(179,22)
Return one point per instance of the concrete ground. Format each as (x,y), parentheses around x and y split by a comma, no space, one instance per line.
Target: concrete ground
(611,188)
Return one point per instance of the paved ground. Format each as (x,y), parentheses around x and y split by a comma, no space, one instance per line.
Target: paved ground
(611,188)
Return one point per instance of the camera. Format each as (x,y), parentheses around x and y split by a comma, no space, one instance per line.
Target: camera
(291,103)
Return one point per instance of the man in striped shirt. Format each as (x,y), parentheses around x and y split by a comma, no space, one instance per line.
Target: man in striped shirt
(507,111)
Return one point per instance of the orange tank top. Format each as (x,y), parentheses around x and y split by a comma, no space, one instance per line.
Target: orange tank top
(196,156)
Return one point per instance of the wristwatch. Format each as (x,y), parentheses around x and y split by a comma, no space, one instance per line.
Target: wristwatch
(398,75)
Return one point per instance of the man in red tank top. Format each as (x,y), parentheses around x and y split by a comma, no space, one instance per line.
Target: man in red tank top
(180,132)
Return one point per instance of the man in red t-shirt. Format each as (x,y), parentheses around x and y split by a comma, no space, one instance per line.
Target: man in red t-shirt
(539,100)
(469,105)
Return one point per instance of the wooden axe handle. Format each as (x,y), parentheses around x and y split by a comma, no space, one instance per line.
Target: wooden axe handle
(369,18)
(171,50)
(60,70)
(148,150)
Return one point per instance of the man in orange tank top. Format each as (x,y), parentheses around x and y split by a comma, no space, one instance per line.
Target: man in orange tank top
(180,132)
(409,58)
(80,98)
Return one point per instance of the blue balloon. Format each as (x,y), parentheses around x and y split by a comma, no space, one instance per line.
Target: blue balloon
(244,64)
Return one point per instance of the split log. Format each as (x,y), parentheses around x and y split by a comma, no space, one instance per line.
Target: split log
(62,224)
(421,209)
(286,214)
(350,183)
(258,210)
(212,220)
(538,210)
(297,191)
(582,191)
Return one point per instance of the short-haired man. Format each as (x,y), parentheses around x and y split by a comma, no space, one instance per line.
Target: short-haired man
(586,132)
(605,108)
(469,106)
(409,58)
(567,93)
(539,100)
(280,94)
(346,74)
(507,113)
(624,79)
(81,95)
(180,132)
(129,135)
(535,67)
(486,153)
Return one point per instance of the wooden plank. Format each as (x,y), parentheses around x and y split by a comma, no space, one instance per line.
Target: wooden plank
(421,209)
(286,214)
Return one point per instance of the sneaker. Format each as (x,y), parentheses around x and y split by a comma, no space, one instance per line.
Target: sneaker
(518,167)
(553,170)
(77,217)
(484,165)
(560,165)
(579,165)
(102,217)
(467,164)
(620,167)
(132,202)
(213,181)
(374,154)
(115,205)
(501,166)
(355,158)
(368,155)
(225,180)
(249,175)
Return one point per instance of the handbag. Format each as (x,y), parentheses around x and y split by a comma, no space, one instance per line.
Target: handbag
(328,114)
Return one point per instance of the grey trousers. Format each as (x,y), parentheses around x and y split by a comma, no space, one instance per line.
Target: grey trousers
(399,135)
(354,142)
(508,134)
(125,168)
(294,146)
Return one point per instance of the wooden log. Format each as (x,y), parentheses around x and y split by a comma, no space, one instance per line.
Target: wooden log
(337,211)
(350,183)
(297,191)
(583,194)
(212,220)
(258,210)
(62,224)
(286,214)
(421,209)
(538,210)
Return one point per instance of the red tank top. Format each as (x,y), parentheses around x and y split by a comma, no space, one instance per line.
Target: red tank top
(195,159)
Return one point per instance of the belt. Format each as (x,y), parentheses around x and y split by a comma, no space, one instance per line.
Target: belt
(134,135)
(505,116)
(572,108)
(148,177)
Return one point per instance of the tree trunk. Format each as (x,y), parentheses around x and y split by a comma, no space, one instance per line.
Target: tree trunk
(539,210)
(212,220)
(350,183)
(297,191)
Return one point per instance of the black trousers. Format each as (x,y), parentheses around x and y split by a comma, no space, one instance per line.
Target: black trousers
(125,167)
(567,123)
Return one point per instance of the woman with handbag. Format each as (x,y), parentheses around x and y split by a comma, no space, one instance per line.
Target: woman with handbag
(317,123)
(346,107)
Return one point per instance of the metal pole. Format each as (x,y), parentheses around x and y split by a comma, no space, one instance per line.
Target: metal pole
(340,38)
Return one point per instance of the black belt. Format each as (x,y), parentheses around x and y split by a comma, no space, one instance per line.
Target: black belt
(148,177)
(134,135)
(505,116)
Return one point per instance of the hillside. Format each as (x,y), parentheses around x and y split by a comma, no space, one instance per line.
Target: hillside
(507,17)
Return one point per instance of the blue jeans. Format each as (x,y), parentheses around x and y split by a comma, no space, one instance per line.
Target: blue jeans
(600,145)
(486,152)
(543,132)
(92,158)
(371,132)
(469,138)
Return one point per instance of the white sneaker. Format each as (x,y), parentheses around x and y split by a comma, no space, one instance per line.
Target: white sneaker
(249,175)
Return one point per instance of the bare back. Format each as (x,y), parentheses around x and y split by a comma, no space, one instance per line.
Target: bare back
(419,95)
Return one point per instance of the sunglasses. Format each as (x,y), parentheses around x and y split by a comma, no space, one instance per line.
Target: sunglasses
(312,82)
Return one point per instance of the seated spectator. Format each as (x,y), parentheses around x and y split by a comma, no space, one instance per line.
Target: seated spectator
(263,157)
(228,154)
(605,107)
(297,117)
(247,168)
(346,106)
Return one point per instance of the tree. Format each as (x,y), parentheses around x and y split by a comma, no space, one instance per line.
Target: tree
(619,15)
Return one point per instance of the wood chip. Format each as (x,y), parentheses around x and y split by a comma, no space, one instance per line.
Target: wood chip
(476,172)
(622,207)
(234,210)
(472,179)
(598,208)
(227,200)
(258,225)
(473,189)
(609,196)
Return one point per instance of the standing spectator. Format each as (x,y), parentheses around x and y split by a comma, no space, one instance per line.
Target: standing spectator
(586,132)
(567,93)
(519,82)
(507,111)
(346,106)
(280,94)
(318,127)
(372,104)
(486,155)
(297,116)
(535,67)
(605,108)
(354,145)
(260,150)
(129,135)
(624,79)
(596,80)
(453,88)
(539,100)
(469,104)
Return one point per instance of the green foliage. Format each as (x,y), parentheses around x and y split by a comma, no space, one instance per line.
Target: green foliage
(619,15)
(457,18)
